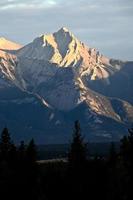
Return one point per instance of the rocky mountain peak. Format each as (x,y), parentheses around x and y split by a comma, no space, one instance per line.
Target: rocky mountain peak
(6,44)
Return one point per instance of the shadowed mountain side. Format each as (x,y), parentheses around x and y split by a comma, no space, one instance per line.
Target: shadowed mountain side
(120,85)
(46,125)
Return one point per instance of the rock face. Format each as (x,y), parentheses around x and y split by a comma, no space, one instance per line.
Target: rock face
(64,80)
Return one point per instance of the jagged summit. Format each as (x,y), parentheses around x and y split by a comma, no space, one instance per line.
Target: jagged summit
(63,35)
(65,50)
(6,44)
(64,31)
(55,47)
(61,47)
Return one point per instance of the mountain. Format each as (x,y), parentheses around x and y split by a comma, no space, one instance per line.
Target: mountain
(56,79)
(8,45)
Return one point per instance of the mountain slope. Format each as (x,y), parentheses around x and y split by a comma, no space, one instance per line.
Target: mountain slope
(8,45)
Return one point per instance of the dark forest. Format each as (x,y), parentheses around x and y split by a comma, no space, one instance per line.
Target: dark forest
(79,176)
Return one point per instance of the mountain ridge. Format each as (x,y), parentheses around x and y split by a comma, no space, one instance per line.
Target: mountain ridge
(6,44)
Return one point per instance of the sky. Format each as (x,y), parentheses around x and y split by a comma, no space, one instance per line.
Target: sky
(106,25)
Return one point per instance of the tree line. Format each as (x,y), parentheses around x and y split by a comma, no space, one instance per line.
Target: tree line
(18,168)
(81,177)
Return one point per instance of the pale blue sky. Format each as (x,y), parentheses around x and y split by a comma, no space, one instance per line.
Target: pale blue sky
(104,24)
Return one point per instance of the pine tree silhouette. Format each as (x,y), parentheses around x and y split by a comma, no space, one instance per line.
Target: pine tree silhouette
(32,169)
(77,160)
(77,154)
(5,144)
(13,156)
(127,149)
(21,152)
(112,155)
(127,160)
(31,152)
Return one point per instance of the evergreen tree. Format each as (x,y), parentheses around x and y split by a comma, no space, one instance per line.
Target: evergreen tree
(112,155)
(113,188)
(12,156)
(31,152)
(77,164)
(22,165)
(77,155)
(21,151)
(5,144)
(127,161)
(127,149)
(32,169)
